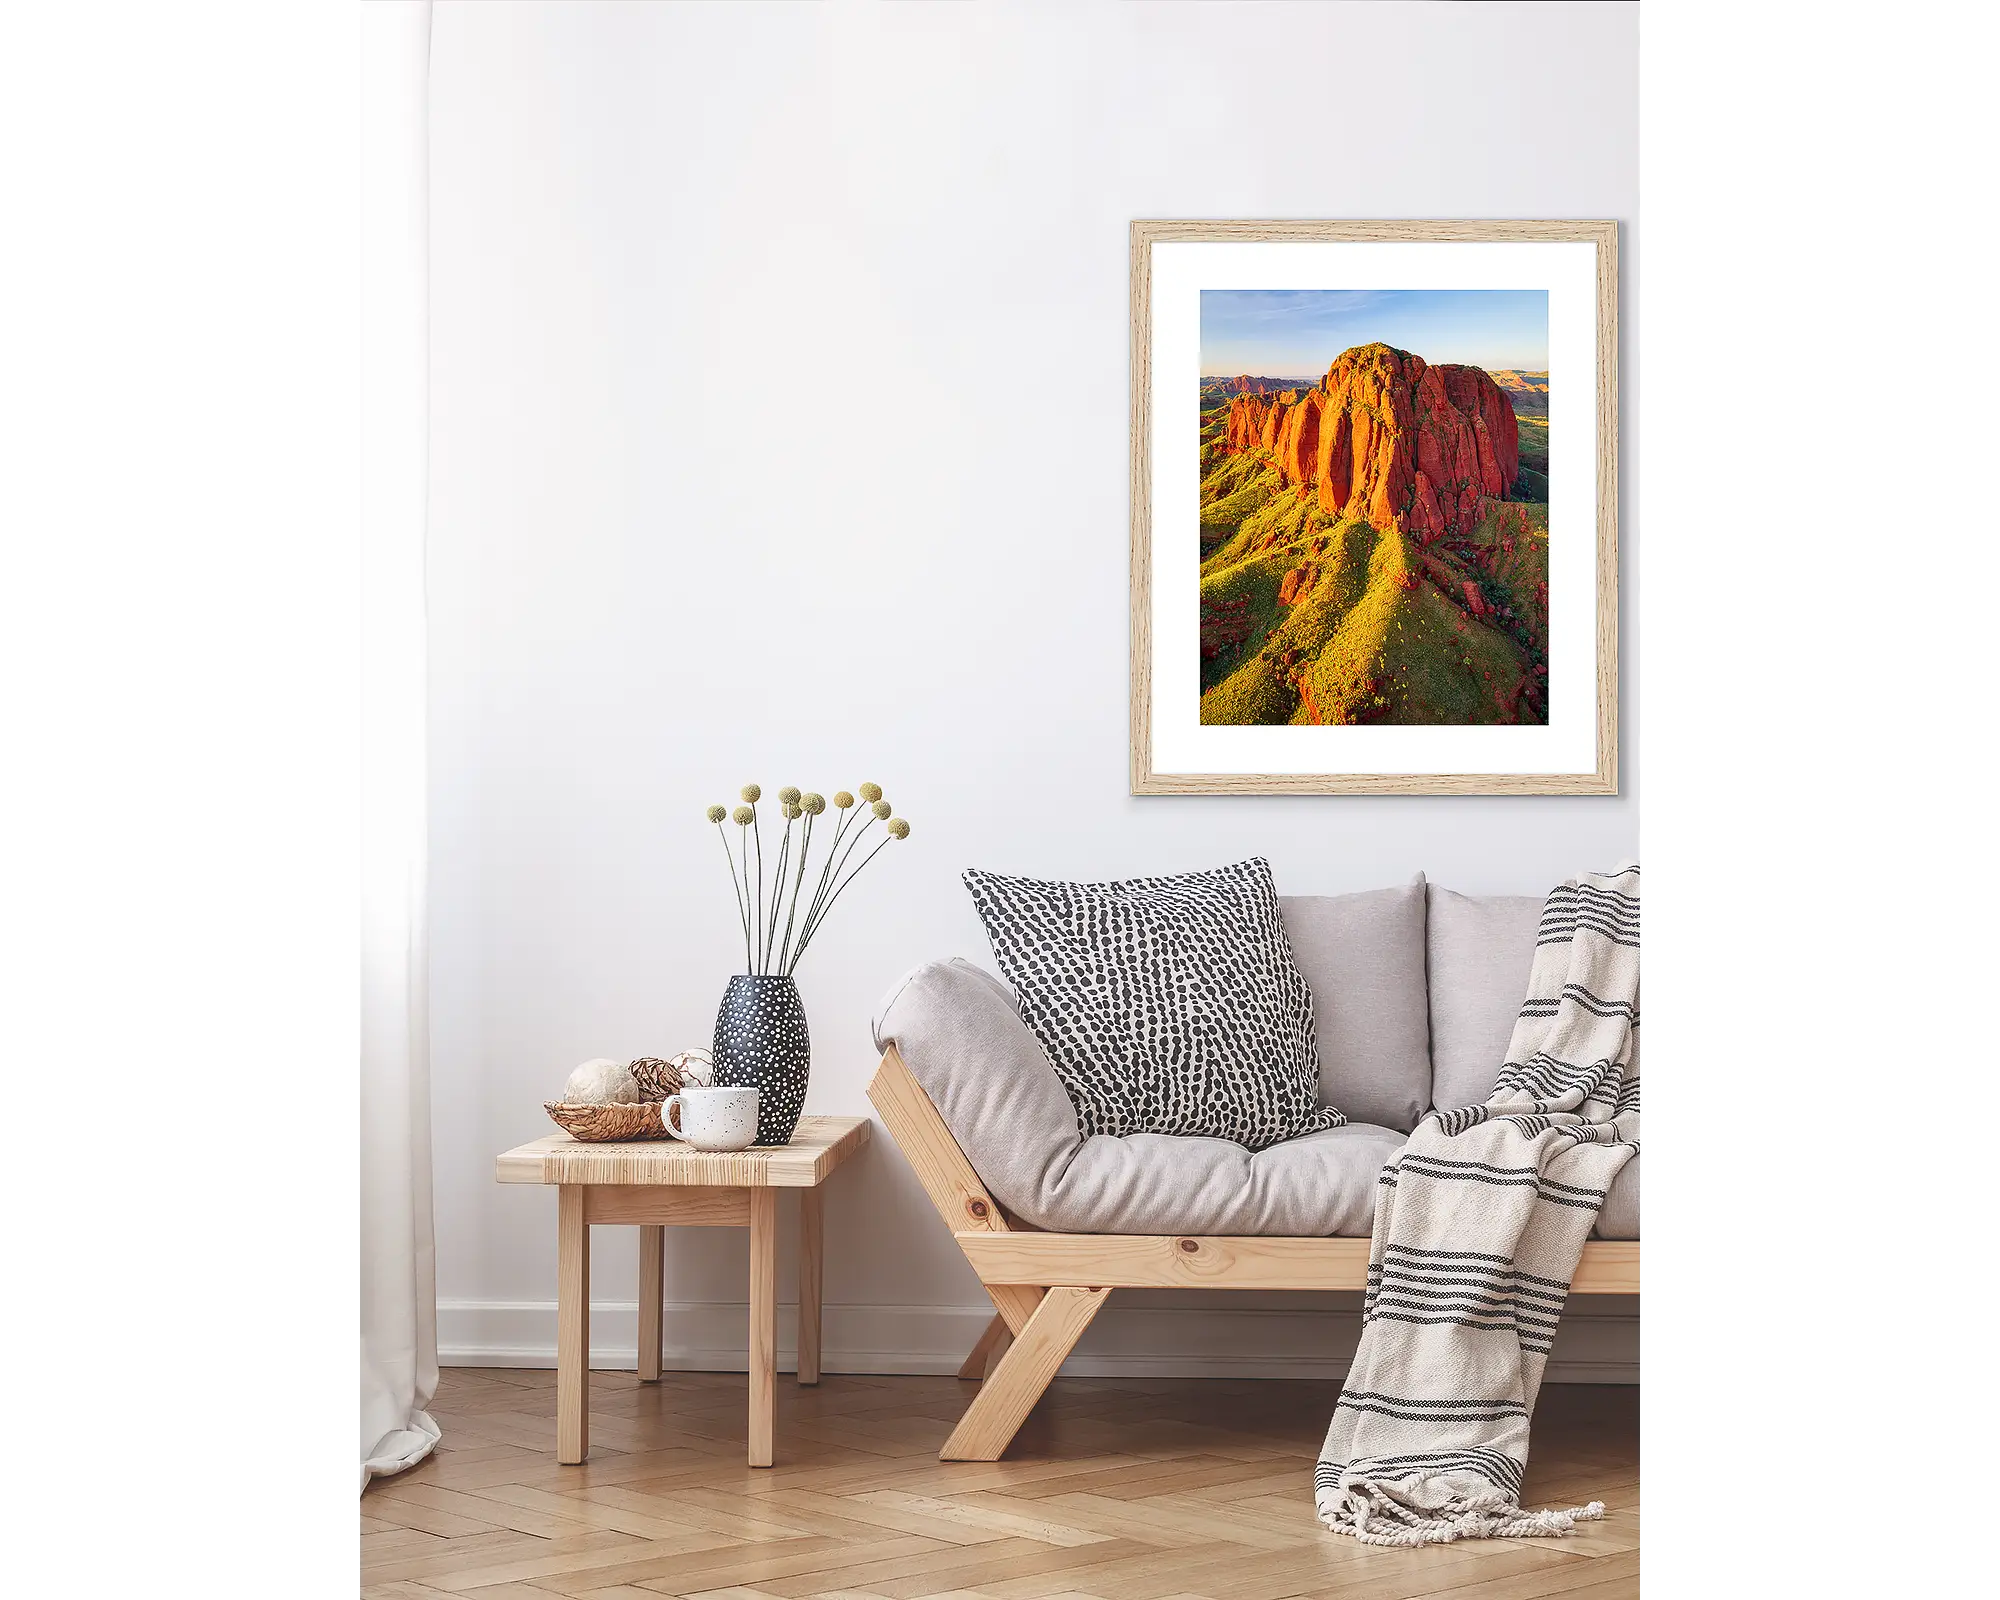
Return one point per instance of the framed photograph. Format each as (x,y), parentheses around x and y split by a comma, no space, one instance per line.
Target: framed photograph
(1374,508)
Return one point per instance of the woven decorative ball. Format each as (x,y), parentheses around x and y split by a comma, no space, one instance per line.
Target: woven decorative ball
(601,1124)
(656,1078)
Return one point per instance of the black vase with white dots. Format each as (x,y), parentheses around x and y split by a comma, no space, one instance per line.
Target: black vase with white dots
(761,1044)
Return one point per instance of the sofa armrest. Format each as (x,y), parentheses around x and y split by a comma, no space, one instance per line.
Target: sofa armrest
(958,1032)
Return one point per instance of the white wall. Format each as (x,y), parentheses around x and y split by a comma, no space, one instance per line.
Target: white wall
(779,433)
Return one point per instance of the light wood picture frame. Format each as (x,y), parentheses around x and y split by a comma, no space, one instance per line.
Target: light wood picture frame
(1463,672)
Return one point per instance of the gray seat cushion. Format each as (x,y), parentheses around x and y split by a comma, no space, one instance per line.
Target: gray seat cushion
(957,1029)
(1481,947)
(1363,956)
(1619,1218)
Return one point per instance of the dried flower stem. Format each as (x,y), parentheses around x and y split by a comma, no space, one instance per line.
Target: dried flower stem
(777,895)
(835,884)
(749,912)
(827,871)
(837,893)
(742,910)
(757,825)
(830,878)
(805,850)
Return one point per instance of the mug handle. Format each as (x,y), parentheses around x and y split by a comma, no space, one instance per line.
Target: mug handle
(667,1109)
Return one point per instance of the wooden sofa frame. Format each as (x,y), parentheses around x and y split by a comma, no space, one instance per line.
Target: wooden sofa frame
(1046,1287)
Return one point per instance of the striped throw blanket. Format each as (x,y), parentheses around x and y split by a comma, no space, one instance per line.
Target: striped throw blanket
(1479,1223)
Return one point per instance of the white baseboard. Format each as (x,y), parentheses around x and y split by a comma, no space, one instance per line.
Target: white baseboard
(1124,1342)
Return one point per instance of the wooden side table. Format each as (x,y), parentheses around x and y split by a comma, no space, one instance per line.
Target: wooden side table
(656,1185)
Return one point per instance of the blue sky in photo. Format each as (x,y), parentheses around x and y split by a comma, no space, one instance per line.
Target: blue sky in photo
(1289,333)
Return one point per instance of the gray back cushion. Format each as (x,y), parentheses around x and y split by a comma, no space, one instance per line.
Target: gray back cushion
(1363,955)
(1481,947)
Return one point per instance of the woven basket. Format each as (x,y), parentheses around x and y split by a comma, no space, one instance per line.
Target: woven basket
(600,1124)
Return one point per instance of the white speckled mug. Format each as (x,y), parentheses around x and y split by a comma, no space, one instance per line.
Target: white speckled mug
(712,1119)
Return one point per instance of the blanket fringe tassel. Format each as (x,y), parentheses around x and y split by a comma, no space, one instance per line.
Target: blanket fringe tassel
(1365,1513)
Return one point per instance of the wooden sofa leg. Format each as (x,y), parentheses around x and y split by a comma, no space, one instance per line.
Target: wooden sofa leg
(994,1339)
(997,1354)
(1011,1390)
(1015,1302)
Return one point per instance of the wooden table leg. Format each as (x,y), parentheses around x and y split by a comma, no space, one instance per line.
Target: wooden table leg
(652,1246)
(809,1284)
(763,1322)
(572,1327)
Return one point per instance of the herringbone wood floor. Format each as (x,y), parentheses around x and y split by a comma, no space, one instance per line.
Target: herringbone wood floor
(1129,1489)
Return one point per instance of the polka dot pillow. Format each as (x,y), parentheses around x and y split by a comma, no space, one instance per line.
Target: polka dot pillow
(1165,1005)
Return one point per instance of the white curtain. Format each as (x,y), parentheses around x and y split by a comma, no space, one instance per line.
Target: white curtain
(398,1266)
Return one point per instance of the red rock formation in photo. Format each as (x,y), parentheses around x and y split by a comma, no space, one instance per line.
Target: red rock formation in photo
(1388,437)
(1246,421)
(1245,384)
(1426,519)
(1274,419)
(1298,440)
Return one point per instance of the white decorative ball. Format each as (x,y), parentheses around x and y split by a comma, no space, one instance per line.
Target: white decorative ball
(602,1083)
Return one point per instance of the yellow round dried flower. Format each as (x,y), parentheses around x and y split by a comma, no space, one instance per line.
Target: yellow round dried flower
(843,799)
(881,808)
(742,816)
(899,827)
(753,792)
(812,804)
(871,792)
(788,796)
(716,813)
(793,813)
